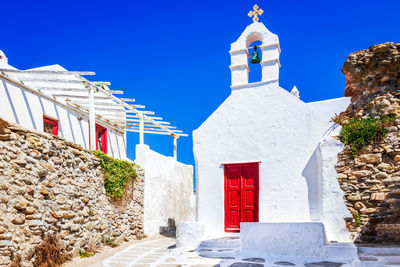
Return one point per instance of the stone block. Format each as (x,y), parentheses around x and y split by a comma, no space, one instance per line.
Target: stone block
(189,235)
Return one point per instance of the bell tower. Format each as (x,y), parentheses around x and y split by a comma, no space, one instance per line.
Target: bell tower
(270,51)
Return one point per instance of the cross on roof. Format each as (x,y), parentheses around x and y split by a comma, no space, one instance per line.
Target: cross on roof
(257,12)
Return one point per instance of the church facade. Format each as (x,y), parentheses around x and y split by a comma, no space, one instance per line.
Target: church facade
(265,155)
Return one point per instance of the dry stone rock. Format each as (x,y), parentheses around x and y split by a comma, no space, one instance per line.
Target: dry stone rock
(20,204)
(384,166)
(362,173)
(48,185)
(370,158)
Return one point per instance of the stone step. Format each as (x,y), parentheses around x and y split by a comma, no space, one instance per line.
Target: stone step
(379,250)
(378,256)
(221,253)
(224,242)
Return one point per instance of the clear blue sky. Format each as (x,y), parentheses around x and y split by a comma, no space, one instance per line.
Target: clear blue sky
(172,56)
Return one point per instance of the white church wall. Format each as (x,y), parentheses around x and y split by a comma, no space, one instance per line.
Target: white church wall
(27,109)
(333,207)
(168,191)
(262,122)
(298,242)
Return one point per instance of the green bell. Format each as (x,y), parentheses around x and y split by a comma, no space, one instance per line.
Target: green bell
(255,59)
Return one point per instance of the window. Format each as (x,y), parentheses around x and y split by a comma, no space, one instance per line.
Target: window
(101,138)
(50,125)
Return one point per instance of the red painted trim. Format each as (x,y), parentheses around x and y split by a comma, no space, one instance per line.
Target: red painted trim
(240,163)
(52,122)
(103,134)
(100,130)
(242,196)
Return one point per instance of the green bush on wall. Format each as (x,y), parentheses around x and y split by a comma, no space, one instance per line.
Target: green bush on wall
(118,175)
(359,133)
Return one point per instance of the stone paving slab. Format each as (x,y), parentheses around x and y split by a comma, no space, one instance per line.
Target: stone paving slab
(163,253)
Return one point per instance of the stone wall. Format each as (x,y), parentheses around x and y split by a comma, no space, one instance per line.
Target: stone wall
(371,73)
(371,179)
(52,186)
(371,183)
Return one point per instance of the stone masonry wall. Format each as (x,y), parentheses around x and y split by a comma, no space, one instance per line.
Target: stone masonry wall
(371,180)
(371,183)
(52,186)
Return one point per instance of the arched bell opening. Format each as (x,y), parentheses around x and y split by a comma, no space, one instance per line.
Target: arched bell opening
(254,60)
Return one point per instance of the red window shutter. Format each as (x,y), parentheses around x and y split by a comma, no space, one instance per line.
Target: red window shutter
(50,125)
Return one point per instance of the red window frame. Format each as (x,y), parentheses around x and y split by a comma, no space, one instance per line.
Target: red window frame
(52,122)
(102,131)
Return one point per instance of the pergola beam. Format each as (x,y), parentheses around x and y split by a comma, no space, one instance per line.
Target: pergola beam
(60,81)
(78,96)
(116,92)
(137,124)
(48,72)
(128,99)
(63,89)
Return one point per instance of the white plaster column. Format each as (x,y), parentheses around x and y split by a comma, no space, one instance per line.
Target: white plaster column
(141,128)
(239,67)
(270,62)
(175,146)
(92,120)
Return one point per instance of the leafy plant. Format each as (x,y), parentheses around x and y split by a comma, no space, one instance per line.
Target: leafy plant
(108,241)
(119,175)
(84,254)
(357,218)
(359,133)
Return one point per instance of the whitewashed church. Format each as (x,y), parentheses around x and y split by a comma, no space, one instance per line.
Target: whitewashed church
(265,155)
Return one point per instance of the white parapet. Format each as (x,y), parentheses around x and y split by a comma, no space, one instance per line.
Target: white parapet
(168,190)
(297,241)
(189,235)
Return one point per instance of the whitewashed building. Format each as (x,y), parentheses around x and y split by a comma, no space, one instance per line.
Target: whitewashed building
(60,102)
(265,155)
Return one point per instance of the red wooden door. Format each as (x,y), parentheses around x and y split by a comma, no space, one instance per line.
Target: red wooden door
(232,198)
(241,195)
(249,193)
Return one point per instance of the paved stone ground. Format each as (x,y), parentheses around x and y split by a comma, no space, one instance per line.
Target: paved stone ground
(162,253)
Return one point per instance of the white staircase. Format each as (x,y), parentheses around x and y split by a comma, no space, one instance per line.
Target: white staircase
(378,256)
(221,248)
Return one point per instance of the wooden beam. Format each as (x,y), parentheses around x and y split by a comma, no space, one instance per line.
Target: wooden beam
(116,92)
(48,72)
(131,120)
(138,106)
(78,96)
(146,127)
(128,99)
(137,124)
(63,89)
(149,132)
(58,81)
(96,103)
(154,132)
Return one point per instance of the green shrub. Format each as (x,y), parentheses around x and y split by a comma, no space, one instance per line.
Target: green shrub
(118,175)
(359,133)
(84,254)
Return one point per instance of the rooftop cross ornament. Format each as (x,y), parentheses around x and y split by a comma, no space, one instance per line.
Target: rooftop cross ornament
(257,12)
